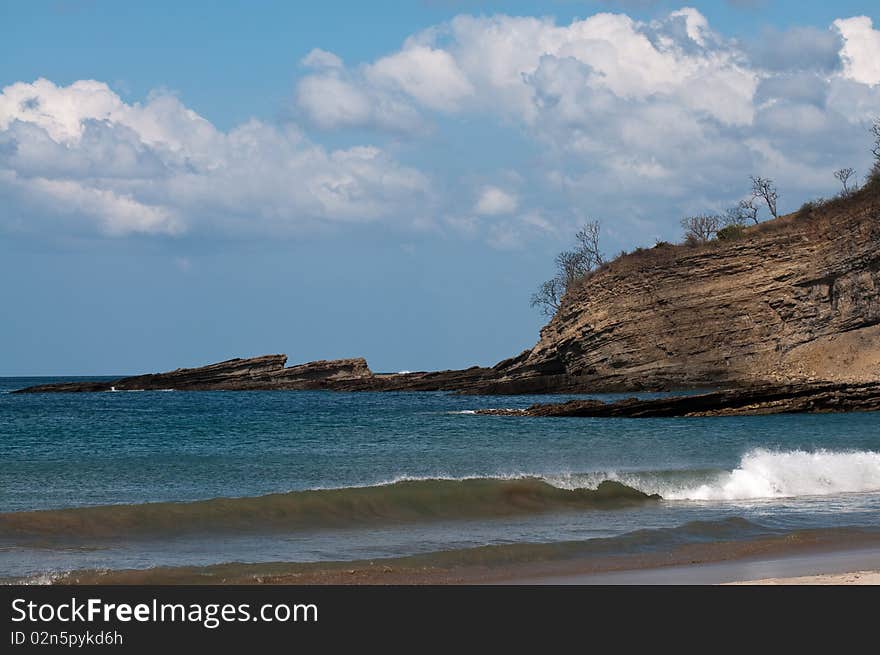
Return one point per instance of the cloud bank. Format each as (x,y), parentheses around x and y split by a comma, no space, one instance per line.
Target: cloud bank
(80,158)
(632,122)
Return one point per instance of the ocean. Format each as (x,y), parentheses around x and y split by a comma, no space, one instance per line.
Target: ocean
(135,480)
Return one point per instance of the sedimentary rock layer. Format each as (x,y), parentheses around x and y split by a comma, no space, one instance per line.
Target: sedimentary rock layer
(796,299)
(764,399)
(269,373)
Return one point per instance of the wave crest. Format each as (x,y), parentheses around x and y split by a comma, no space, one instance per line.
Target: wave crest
(783,474)
(396,502)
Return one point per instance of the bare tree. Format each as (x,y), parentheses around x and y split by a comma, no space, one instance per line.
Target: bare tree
(875,132)
(764,189)
(749,209)
(844,175)
(746,210)
(571,267)
(701,228)
(588,244)
(548,296)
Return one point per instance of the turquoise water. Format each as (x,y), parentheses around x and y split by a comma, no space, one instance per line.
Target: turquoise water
(61,451)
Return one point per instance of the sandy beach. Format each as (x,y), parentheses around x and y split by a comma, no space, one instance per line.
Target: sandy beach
(852,578)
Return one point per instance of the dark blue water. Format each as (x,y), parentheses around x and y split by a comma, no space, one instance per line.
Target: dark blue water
(73,450)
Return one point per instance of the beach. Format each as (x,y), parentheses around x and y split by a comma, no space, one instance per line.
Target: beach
(851,578)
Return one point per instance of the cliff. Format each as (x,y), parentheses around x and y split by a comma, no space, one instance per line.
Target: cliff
(794,300)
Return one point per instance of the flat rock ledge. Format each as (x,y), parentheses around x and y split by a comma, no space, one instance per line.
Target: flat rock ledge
(753,401)
(270,373)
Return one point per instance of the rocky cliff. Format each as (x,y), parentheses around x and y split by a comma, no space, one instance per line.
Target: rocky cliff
(794,300)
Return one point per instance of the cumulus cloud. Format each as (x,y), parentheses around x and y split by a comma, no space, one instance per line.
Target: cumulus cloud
(430,76)
(861,49)
(321,59)
(333,99)
(80,155)
(634,121)
(494,201)
(635,115)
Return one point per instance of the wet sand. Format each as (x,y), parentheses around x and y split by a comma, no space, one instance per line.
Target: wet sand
(857,566)
(802,554)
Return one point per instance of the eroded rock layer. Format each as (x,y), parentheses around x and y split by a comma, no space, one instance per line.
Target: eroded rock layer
(794,300)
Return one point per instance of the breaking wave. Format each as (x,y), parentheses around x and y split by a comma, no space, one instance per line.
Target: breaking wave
(761,474)
(396,502)
(783,474)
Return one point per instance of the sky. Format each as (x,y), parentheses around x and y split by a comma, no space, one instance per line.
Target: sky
(182,183)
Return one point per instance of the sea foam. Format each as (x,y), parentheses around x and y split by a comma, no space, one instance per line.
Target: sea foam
(780,474)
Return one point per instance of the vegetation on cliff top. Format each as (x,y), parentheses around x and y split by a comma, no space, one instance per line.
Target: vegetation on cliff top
(576,266)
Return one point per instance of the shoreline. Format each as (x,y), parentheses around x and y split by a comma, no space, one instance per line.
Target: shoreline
(845,566)
(809,553)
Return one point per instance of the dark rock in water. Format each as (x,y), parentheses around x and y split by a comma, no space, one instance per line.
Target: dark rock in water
(268,373)
(784,399)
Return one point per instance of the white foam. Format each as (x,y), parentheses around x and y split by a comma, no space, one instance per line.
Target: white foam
(783,474)
(42,579)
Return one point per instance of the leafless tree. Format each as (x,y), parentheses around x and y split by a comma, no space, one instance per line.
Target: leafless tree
(588,244)
(571,267)
(701,228)
(875,132)
(746,210)
(844,175)
(749,209)
(764,189)
(547,297)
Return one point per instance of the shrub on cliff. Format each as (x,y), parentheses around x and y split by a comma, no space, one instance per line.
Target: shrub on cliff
(731,233)
(701,228)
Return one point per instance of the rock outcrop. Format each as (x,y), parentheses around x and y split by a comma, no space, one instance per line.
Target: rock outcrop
(268,373)
(815,398)
(796,299)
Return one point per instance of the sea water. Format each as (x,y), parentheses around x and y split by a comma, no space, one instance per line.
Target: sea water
(129,477)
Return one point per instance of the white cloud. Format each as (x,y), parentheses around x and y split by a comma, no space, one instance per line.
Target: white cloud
(861,49)
(430,76)
(80,154)
(494,201)
(629,121)
(319,59)
(484,62)
(331,100)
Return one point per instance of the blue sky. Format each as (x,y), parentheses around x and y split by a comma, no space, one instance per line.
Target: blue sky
(187,182)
